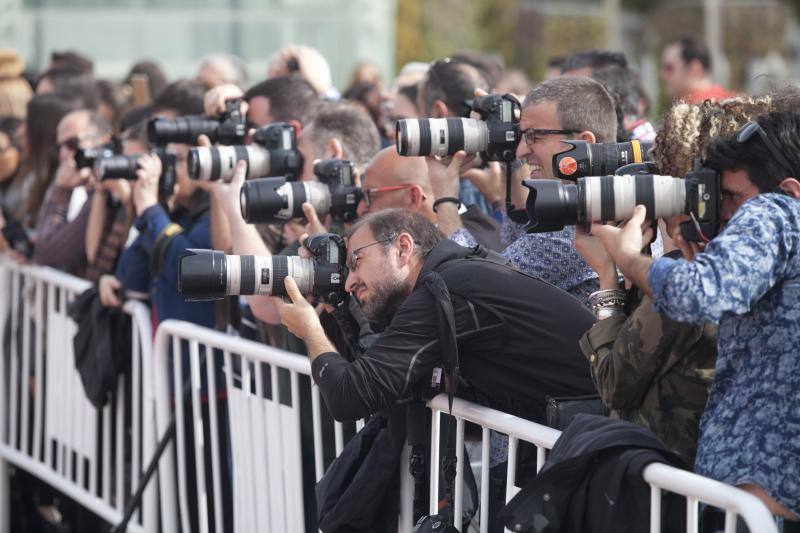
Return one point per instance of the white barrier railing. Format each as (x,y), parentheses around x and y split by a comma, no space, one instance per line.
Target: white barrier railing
(265,403)
(47,425)
(693,487)
(49,429)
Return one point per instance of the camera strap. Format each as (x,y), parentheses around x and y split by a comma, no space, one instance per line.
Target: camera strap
(448,345)
(159,251)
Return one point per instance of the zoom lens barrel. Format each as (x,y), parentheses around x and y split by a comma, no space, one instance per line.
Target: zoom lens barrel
(274,200)
(210,275)
(441,136)
(218,162)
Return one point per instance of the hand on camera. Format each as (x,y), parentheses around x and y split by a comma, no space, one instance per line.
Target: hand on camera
(145,188)
(107,287)
(299,316)
(214,100)
(597,257)
(120,189)
(227,194)
(69,176)
(309,63)
(626,240)
(688,249)
(445,174)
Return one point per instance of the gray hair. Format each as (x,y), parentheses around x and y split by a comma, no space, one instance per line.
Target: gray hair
(583,104)
(351,125)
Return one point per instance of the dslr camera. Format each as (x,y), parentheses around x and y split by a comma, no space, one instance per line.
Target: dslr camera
(583,159)
(211,275)
(229,128)
(85,157)
(274,200)
(273,153)
(495,135)
(553,204)
(125,167)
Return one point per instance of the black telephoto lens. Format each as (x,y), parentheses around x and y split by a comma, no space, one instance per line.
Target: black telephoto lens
(261,201)
(182,130)
(117,167)
(202,275)
(551,205)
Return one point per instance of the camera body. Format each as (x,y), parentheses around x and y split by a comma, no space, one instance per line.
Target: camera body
(273,153)
(125,167)
(85,157)
(583,159)
(211,275)
(274,200)
(229,128)
(553,204)
(16,236)
(495,135)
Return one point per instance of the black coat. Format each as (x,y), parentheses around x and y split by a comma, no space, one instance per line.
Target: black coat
(592,481)
(102,345)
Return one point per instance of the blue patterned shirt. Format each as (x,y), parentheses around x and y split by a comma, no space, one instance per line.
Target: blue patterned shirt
(748,281)
(547,256)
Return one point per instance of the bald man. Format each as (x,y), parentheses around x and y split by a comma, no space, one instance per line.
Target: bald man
(391,180)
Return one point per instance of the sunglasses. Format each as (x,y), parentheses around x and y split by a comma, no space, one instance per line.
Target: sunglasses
(753,128)
(73,143)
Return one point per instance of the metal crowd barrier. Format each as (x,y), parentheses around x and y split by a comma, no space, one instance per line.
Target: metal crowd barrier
(660,477)
(47,425)
(251,442)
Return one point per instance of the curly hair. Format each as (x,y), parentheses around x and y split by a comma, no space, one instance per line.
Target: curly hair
(688,130)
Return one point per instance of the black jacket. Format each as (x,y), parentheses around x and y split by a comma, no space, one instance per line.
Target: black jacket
(517,338)
(102,345)
(592,481)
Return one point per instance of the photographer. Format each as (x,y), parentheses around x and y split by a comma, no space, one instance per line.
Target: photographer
(746,280)
(516,335)
(554,111)
(65,213)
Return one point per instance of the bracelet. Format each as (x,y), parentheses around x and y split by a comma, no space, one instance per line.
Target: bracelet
(608,297)
(446,199)
(602,313)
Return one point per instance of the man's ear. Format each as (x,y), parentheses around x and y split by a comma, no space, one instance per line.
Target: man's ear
(439,110)
(417,196)
(334,149)
(587,136)
(405,243)
(791,186)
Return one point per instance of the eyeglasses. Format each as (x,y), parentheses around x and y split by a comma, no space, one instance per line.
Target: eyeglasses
(368,193)
(530,134)
(352,257)
(746,133)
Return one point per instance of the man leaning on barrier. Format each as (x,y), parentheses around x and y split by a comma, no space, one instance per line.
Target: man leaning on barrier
(517,336)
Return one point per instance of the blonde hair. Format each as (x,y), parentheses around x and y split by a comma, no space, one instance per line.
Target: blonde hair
(14,90)
(688,129)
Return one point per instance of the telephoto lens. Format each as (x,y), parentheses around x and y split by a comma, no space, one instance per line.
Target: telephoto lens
(85,157)
(441,136)
(181,130)
(553,204)
(583,159)
(212,275)
(117,167)
(218,162)
(274,200)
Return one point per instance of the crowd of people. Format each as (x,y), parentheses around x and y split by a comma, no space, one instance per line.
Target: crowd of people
(698,343)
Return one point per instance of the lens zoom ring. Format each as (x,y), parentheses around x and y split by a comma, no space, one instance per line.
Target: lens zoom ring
(247,285)
(280,269)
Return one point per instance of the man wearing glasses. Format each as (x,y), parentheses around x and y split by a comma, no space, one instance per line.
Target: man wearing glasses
(517,337)
(555,111)
(748,281)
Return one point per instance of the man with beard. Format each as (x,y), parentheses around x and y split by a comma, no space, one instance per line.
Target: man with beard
(516,336)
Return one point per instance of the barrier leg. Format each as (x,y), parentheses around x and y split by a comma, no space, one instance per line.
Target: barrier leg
(5,498)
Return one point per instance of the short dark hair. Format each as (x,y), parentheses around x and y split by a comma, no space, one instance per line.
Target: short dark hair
(351,125)
(594,59)
(391,222)
(764,172)
(73,59)
(73,82)
(453,82)
(583,105)
(489,65)
(693,48)
(185,97)
(290,97)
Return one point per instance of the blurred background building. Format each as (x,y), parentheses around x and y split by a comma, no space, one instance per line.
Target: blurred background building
(754,43)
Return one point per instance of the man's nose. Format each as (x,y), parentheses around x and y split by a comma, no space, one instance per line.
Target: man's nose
(351,281)
(522,149)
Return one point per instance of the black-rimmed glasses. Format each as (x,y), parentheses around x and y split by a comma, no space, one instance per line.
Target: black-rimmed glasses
(531,134)
(352,257)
